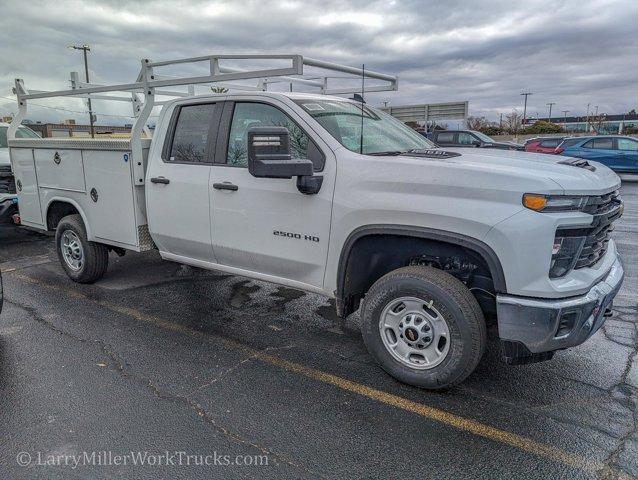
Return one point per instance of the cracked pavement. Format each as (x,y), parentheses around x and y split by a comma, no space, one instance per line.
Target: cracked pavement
(160,357)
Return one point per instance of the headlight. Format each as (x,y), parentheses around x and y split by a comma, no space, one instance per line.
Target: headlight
(565,253)
(554,203)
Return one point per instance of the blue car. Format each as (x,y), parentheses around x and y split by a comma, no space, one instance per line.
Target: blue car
(618,153)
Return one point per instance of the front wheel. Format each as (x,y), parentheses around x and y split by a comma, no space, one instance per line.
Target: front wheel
(83,261)
(424,327)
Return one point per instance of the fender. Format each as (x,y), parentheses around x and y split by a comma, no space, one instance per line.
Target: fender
(87,226)
(479,247)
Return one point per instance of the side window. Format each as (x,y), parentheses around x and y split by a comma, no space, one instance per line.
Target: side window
(249,115)
(466,138)
(190,140)
(589,144)
(549,143)
(603,143)
(445,137)
(627,144)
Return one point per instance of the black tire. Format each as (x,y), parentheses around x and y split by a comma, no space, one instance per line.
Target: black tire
(95,255)
(457,305)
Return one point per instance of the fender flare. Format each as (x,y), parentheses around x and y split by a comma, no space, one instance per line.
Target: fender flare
(89,234)
(481,248)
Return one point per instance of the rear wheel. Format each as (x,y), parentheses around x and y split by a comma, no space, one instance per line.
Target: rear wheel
(83,261)
(424,327)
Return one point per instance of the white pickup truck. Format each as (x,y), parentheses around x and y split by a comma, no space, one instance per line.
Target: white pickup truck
(334,197)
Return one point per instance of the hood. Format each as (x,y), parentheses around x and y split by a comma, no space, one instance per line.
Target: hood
(573,180)
(4,157)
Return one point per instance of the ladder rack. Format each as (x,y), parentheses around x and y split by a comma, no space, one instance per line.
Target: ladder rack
(149,84)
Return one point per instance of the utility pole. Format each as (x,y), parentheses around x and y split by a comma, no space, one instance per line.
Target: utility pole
(549,116)
(526,94)
(565,112)
(86,48)
(587,120)
(500,121)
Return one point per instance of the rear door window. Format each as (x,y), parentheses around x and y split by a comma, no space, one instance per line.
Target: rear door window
(193,134)
(602,143)
(445,137)
(550,143)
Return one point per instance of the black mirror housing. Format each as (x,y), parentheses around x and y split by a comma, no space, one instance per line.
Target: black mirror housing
(269,154)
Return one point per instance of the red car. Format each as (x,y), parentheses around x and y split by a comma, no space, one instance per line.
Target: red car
(543,144)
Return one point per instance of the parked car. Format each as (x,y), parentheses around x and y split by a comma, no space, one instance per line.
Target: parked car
(618,153)
(469,138)
(543,144)
(8,198)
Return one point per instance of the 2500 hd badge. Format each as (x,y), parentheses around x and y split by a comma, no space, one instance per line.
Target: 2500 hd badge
(296,236)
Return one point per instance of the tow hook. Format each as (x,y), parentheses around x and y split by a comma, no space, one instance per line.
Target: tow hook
(16,219)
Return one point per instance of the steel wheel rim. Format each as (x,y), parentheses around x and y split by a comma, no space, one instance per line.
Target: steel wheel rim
(414,332)
(72,250)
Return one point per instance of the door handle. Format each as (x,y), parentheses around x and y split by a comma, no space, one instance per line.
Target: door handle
(225,186)
(162,180)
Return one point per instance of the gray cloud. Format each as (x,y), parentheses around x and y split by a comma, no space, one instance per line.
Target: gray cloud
(570,52)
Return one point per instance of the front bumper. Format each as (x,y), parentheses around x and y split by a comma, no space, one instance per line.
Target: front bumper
(8,207)
(529,328)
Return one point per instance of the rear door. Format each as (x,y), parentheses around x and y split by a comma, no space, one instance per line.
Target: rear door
(177,188)
(628,150)
(266,225)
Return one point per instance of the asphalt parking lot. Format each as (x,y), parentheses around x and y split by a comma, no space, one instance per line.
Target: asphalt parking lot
(261,381)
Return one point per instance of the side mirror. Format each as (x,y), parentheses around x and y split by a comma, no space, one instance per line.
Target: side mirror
(269,154)
(476,143)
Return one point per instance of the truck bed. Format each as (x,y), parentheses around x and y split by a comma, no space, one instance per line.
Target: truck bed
(97,176)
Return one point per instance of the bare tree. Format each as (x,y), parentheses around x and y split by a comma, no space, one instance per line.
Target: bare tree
(476,123)
(513,122)
(596,122)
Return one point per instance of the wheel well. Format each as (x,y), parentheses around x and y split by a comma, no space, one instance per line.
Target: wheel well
(368,257)
(57,211)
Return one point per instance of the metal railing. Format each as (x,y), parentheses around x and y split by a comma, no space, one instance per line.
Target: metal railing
(149,84)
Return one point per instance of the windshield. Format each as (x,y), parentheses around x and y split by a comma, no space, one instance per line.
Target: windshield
(381,132)
(483,137)
(23,132)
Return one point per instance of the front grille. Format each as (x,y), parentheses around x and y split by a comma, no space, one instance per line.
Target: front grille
(7,182)
(605,209)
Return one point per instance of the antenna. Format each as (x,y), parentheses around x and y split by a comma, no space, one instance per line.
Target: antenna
(363,88)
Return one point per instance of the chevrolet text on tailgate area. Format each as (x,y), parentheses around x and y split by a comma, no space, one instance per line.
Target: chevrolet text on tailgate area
(329,195)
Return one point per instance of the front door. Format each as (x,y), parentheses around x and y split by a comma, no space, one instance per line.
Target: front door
(266,225)
(177,189)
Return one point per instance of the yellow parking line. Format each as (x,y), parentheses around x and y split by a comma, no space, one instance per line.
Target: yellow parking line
(431,413)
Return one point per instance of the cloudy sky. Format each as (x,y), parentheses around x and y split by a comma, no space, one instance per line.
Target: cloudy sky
(488,52)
